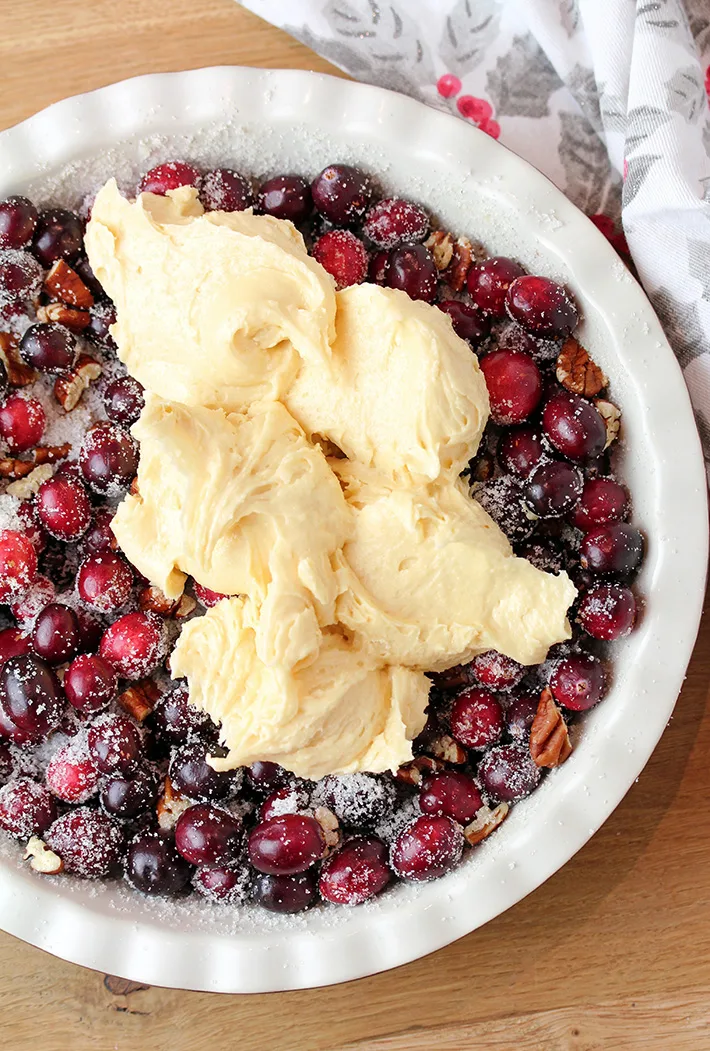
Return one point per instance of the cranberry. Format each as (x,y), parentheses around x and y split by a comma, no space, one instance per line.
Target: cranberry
(30,694)
(607,611)
(90,683)
(266,777)
(554,489)
(6,763)
(22,422)
(56,636)
(20,279)
(343,255)
(72,774)
(521,450)
(13,733)
(574,427)
(27,515)
(578,682)
(49,347)
(27,608)
(87,275)
(603,501)
(357,872)
(18,219)
(358,800)
(26,808)
(101,317)
(284,893)
(206,597)
(127,797)
(427,849)
(191,774)
(168,176)
(221,884)
(286,197)
(133,645)
(542,307)
(451,793)
(514,385)
(377,271)
(341,193)
(502,499)
(18,564)
(124,400)
(507,773)
(469,323)
(286,845)
(394,221)
(476,718)
(514,337)
(207,835)
(154,866)
(488,283)
(63,508)
(99,536)
(613,548)
(89,843)
(108,458)
(176,720)
(291,799)
(520,714)
(105,581)
(224,190)
(14,643)
(411,268)
(115,744)
(496,671)
(59,235)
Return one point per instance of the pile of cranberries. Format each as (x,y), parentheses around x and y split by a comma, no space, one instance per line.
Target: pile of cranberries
(104,758)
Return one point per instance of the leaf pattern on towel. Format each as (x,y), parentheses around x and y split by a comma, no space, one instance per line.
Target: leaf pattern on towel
(583,85)
(469,30)
(522,81)
(681,323)
(685,93)
(589,182)
(699,265)
(569,16)
(658,14)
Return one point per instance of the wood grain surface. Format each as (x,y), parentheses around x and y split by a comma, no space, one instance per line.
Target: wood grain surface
(612,953)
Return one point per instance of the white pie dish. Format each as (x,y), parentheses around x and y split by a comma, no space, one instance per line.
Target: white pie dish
(269,121)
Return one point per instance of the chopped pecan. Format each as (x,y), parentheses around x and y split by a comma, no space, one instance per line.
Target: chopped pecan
(612,419)
(171,805)
(185,607)
(577,372)
(65,284)
(444,747)
(43,454)
(549,738)
(133,487)
(414,772)
(41,858)
(69,388)
(461,262)
(485,822)
(331,829)
(26,487)
(10,468)
(62,314)
(19,374)
(152,600)
(441,245)
(140,699)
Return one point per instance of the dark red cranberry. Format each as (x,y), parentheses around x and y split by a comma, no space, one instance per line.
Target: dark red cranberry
(169,176)
(358,800)
(90,683)
(285,893)
(59,235)
(377,271)
(221,884)
(411,268)
(286,845)
(176,720)
(488,283)
(476,718)
(99,536)
(128,797)
(27,514)
(224,190)
(574,427)
(14,642)
(554,489)
(514,337)
(6,763)
(603,501)
(451,793)
(154,866)
(343,255)
(22,422)
(519,715)
(11,732)
(102,316)
(613,548)
(207,835)
(27,608)
(18,219)
(607,611)
(89,843)
(286,197)
(496,671)
(469,323)
(49,347)
(18,564)
(507,773)
(191,774)
(72,774)
(90,630)
(105,581)
(502,499)
(108,458)
(56,636)
(267,777)
(20,278)
(356,872)
(514,385)
(26,808)
(291,799)
(341,193)
(542,307)
(31,695)
(83,268)
(115,744)
(394,221)
(64,508)
(578,682)
(124,400)
(521,450)
(133,645)
(427,849)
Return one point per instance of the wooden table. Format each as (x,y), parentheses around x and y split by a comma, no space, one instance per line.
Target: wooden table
(613,952)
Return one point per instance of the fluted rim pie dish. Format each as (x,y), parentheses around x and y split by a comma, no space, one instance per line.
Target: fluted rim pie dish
(265,121)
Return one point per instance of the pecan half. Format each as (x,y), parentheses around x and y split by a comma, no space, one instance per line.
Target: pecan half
(62,314)
(444,747)
(41,858)
(441,245)
(414,772)
(330,827)
(26,487)
(152,600)
(140,699)
(577,372)
(19,374)
(612,419)
(69,388)
(549,738)
(461,261)
(185,607)
(485,822)
(171,805)
(65,284)
(43,454)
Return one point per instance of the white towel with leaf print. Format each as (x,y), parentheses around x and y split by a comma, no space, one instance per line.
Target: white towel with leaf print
(607,97)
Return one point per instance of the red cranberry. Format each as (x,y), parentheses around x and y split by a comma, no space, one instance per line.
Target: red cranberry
(90,683)
(476,718)
(105,581)
(101,317)
(207,835)
(13,733)
(14,643)
(176,720)
(26,808)
(603,501)
(59,235)
(154,866)
(613,548)
(89,843)
(18,564)
(82,267)
(542,307)
(90,630)
(427,849)
(224,190)
(469,323)
(394,221)
(514,337)
(411,268)
(554,489)
(514,385)
(607,611)
(357,872)
(115,744)
(267,777)
(72,774)
(286,197)
(49,347)
(341,193)
(488,283)
(133,645)
(507,773)
(124,400)
(108,458)
(286,845)
(496,671)
(377,271)
(192,775)
(520,714)
(291,799)
(64,508)
(27,608)
(358,800)
(18,219)
(284,893)
(574,427)
(128,797)
(30,694)
(20,279)
(221,884)
(99,536)
(56,636)
(27,515)
(451,793)
(22,422)
(168,176)
(521,450)
(578,682)
(206,597)
(502,499)
(343,255)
